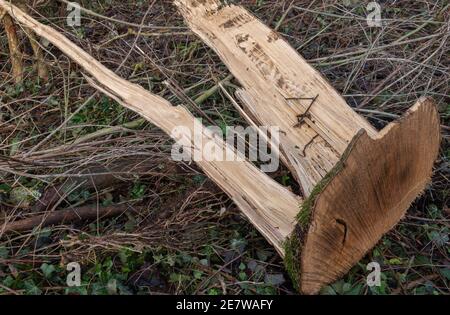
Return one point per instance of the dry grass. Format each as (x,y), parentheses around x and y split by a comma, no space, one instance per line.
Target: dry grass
(63,138)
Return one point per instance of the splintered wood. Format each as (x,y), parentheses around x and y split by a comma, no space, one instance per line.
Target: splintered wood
(279,88)
(14,47)
(353,172)
(269,206)
(357,182)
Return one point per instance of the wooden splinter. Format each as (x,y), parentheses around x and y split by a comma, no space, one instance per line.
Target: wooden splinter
(358,182)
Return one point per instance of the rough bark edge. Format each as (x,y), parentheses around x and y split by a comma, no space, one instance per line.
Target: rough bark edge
(424,108)
(14,47)
(294,244)
(41,67)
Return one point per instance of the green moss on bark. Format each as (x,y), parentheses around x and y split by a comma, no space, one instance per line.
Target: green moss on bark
(294,244)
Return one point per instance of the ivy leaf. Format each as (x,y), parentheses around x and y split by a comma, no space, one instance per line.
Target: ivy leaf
(446,273)
(47,270)
(328,290)
(31,288)
(440,239)
(263,255)
(5,188)
(198,274)
(242,276)
(3,252)
(274,279)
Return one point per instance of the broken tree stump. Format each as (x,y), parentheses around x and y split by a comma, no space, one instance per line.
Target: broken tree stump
(358,182)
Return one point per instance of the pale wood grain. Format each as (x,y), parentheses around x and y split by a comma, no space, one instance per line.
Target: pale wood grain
(274,76)
(269,206)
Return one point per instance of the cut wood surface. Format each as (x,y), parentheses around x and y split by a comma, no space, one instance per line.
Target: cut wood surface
(358,182)
(269,206)
(377,182)
(279,87)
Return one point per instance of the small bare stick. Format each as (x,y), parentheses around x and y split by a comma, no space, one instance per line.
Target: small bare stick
(62,216)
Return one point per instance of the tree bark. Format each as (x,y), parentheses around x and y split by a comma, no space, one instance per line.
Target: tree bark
(14,48)
(41,67)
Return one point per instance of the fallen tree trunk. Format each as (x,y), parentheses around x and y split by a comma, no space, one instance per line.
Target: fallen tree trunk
(279,88)
(358,182)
